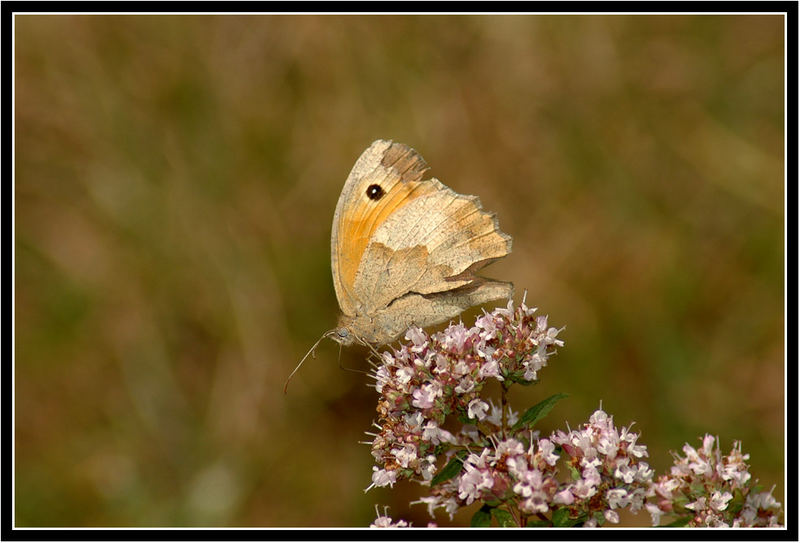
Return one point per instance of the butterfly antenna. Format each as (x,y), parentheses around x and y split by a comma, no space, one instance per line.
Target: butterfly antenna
(310,352)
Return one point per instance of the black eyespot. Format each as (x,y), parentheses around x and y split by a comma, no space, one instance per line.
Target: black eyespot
(375,192)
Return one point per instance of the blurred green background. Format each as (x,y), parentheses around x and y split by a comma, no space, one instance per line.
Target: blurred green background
(176,178)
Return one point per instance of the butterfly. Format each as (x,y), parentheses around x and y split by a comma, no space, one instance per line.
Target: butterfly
(405,250)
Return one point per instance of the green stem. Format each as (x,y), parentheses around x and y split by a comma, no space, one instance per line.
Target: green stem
(503,403)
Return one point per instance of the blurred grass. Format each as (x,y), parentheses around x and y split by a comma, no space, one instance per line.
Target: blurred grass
(175,183)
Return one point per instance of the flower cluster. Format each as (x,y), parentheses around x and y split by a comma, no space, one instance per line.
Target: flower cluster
(608,471)
(607,474)
(432,377)
(507,473)
(436,427)
(705,488)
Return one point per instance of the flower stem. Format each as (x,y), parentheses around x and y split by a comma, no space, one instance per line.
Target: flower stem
(503,403)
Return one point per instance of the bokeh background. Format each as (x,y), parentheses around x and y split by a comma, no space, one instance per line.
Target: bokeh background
(175,183)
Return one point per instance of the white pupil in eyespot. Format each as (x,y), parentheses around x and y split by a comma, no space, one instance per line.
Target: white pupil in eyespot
(374,192)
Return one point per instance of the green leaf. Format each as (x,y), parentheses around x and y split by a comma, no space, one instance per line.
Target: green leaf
(679,503)
(679,522)
(737,503)
(519,378)
(534,522)
(574,473)
(482,517)
(503,518)
(561,518)
(538,411)
(452,469)
(696,490)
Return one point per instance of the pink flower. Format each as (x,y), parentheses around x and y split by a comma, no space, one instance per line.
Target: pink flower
(385,521)
(564,497)
(655,513)
(473,482)
(418,339)
(719,500)
(382,477)
(547,451)
(617,498)
(477,409)
(509,447)
(426,395)
(406,455)
(455,337)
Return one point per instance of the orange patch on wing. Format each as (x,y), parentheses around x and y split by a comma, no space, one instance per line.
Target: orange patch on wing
(358,229)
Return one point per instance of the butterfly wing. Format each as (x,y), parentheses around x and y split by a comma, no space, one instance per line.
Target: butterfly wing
(388,323)
(411,254)
(433,244)
(398,173)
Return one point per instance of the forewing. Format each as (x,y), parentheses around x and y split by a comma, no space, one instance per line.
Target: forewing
(397,170)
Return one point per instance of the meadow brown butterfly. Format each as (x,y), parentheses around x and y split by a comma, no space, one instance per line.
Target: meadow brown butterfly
(405,250)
